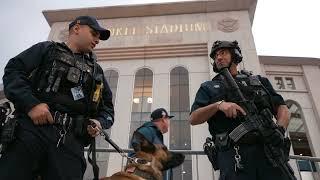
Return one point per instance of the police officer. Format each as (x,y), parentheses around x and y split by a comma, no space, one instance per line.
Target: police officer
(61,99)
(214,103)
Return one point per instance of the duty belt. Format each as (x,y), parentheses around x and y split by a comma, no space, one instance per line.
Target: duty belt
(224,142)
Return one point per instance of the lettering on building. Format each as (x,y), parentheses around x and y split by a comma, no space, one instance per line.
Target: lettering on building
(159,29)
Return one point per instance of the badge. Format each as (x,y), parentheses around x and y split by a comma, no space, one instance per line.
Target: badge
(77,93)
(74,75)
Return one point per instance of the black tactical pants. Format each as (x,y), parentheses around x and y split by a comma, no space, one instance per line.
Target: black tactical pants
(256,166)
(34,151)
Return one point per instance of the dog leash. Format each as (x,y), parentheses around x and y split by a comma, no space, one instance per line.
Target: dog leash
(92,149)
(134,160)
(93,161)
(114,145)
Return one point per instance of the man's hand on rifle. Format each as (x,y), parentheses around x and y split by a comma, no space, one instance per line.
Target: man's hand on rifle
(231,109)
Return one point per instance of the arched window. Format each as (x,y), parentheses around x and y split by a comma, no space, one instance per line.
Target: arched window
(180,133)
(298,135)
(112,77)
(142,99)
(297,130)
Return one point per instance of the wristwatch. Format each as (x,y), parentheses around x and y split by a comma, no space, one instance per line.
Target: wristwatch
(219,102)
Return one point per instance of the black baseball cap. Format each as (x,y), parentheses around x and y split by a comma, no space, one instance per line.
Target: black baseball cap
(93,23)
(159,113)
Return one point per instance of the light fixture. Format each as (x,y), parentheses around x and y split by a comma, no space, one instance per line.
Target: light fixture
(149,100)
(136,100)
(183,172)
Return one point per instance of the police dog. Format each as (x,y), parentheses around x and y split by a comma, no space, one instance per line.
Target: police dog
(149,162)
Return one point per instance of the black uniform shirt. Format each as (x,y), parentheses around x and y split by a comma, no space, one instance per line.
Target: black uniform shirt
(216,90)
(19,89)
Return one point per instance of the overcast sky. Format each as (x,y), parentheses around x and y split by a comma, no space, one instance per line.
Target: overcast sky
(280,27)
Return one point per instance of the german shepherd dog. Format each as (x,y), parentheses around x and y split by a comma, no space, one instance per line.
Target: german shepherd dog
(149,162)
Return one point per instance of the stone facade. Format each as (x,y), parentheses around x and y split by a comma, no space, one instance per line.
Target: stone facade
(165,36)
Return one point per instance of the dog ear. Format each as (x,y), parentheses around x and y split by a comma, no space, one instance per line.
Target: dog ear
(175,159)
(141,143)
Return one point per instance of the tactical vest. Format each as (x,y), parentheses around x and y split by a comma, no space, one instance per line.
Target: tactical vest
(252,89)
(63,72)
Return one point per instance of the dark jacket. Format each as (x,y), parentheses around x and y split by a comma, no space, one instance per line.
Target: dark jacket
(217,90)
(150,132)
(22,90)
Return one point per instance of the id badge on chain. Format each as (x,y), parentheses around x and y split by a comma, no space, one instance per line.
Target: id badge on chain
(77,93)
